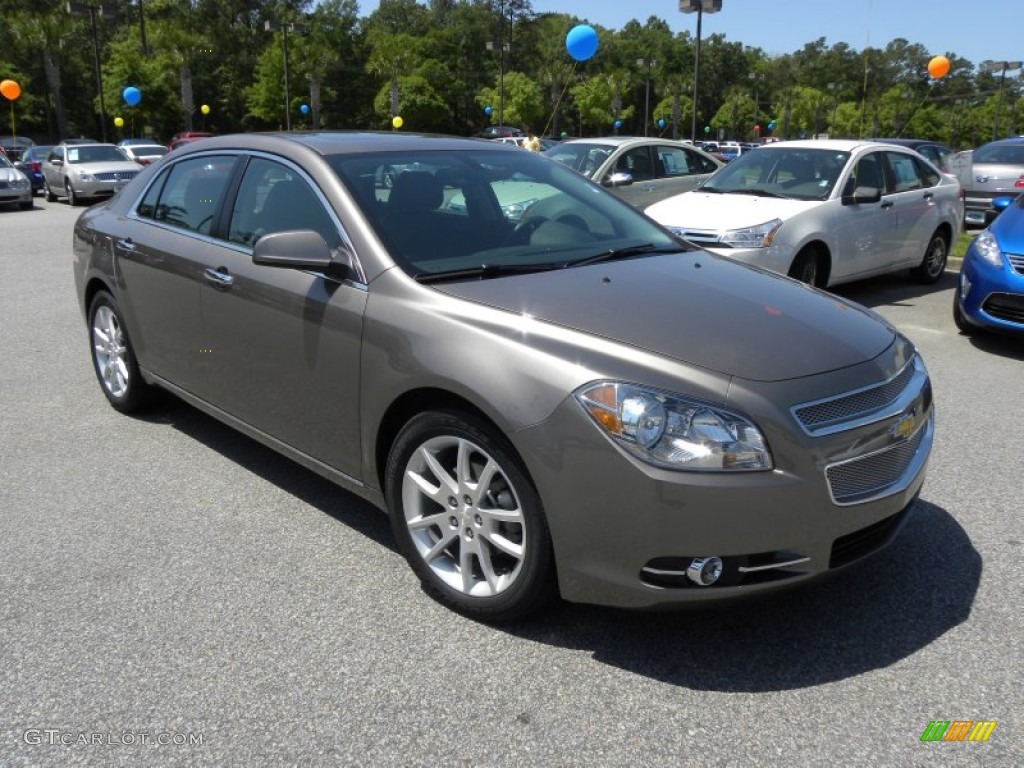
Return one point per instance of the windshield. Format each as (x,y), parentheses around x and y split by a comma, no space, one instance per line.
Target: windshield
(796,173)
(97,154)
(488,213)
(4,162)
(1000,154)
(583,157)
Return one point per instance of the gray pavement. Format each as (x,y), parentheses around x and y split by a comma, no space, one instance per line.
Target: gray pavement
(165,579)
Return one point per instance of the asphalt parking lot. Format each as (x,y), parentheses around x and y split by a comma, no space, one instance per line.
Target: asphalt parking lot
(172,593)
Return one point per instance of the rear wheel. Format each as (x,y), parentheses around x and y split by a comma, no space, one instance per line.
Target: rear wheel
(467,517)
(113,357)
(934,262)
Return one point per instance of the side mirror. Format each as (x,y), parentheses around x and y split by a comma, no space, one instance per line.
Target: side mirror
(57,161)
(621,179)
(303,249)
(863,195)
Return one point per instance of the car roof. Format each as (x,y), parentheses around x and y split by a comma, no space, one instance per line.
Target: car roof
(342,142)
(837,145)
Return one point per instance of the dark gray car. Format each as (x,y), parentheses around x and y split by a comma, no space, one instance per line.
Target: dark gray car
(567,400)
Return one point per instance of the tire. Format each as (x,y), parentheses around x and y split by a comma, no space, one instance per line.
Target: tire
(958,316)
(73,199)
(934,262)
(483,551)
(113,358)
(807,268)
(48,193)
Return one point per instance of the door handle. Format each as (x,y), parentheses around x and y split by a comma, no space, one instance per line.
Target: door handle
(887,204)
(929,195)
(125,245)
(219,277)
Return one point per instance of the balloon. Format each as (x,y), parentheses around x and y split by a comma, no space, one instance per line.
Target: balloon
(397,121)
(618,123)
(757,128)
(661,122)
(205,109)
(304,109)
(938,67)
(771,126)
(119,122)
(131,95)
(581,42)
(565,134)
(10,89)
(488,110)
(707,129)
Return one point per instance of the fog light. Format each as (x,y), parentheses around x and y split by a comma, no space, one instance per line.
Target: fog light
(704,571)
(965,285)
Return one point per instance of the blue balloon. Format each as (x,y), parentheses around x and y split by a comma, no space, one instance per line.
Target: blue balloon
(581,42)
(771,126)
(488,110)
(661,122)
(304,109)
(131,95)
(618,123)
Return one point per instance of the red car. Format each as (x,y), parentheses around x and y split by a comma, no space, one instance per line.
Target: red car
(187,137)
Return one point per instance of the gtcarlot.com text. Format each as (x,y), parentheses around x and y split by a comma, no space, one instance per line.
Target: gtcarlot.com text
(55,736)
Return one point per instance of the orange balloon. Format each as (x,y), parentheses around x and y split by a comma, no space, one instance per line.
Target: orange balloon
(938,67)
(10,89)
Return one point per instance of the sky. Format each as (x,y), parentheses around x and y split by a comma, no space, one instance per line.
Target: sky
(975,29)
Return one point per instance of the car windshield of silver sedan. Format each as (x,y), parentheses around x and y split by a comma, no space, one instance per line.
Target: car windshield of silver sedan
(581,157)
(798,174)
(488,214)
(100,154)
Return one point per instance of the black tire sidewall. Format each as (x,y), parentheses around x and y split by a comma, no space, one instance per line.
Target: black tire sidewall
(535,584)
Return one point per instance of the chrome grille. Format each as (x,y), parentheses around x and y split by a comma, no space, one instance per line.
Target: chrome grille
(851,406)
(868,476)
(1016,262)
(116,175)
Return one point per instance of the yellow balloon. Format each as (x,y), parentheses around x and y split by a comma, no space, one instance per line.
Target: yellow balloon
(119,122)
(397,121)
(205,109)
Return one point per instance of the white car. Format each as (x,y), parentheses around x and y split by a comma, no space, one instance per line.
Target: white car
(824,211)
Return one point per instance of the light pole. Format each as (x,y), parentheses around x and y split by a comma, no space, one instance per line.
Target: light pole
(756,78)
(1002,67)
(647,63)
(502,47)
(298,29)
(107,12)
(701,7)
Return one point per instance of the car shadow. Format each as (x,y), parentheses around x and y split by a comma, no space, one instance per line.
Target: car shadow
(292,478)
(998,344)
(893,290)
(868,617)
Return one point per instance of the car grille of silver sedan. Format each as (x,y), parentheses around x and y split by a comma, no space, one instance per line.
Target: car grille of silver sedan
(117,175)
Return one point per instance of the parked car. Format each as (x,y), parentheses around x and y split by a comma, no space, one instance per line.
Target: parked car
(990,291)
(576,402)
(824,211)
(938,154)
(144,154)
(15,188)
(31,164)
(82,171)
(499,131)
(639,170)
(137,140)
(995,170)
(14,146)
(186,137)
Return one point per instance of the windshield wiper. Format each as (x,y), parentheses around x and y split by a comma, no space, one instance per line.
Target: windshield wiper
(483,272)
(758,193)
(716,190)
(625,253)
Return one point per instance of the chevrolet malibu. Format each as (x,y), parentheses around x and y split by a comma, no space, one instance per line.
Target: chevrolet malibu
(565,401)
(825,212)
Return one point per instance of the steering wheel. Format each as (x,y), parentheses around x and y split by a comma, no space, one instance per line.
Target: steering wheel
(523,231)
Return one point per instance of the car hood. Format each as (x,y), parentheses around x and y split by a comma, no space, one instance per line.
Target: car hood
(710,211)
(10,174)
(697,308)
(113,166)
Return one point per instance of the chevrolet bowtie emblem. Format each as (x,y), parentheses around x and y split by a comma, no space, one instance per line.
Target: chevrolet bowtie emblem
(904,428)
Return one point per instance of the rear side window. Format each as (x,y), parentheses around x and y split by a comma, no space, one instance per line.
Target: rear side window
(189,194)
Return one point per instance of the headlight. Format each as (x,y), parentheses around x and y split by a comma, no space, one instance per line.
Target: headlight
(673,431)
(987,248)
(22,184)
(759,236)
(83,176)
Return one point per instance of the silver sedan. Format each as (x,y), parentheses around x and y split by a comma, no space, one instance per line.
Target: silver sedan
(562,400)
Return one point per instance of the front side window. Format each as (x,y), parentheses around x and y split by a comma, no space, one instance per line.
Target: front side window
(274,198)
(189,194)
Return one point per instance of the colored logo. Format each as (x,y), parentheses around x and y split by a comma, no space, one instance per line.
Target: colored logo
(958,730)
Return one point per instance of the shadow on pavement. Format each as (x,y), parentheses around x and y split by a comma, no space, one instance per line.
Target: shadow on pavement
(869,617)
(894,290)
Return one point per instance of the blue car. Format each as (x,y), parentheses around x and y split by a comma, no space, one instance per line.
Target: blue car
(990,292)
(30,163)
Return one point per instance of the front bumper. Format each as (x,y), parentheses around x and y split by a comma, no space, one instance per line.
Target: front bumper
(992,297)
(12,194)
(98,187)
(624,532)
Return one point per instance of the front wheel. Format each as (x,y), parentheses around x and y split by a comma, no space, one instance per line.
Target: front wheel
(934,262)
(73,199)
(48,193)
(807,268)
(467,517)
(958,316)
(113,357)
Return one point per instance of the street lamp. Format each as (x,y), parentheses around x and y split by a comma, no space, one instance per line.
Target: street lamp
(298,29)
(503,48)
(1002,67)
(756,78)
(701,7)
(648,63)
(107,12)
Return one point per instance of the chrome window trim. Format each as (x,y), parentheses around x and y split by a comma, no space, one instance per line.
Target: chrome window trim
(894,407)
(359,280)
